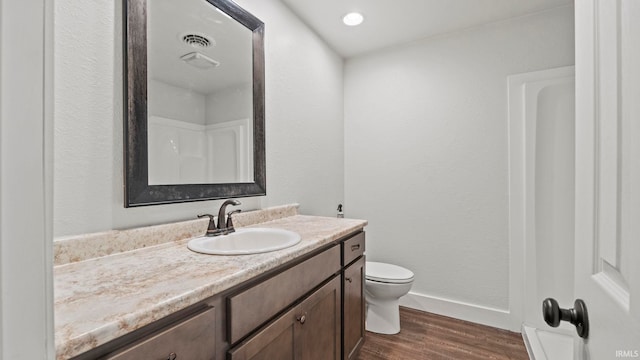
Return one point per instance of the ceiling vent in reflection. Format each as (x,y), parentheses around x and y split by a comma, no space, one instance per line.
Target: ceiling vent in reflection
(199,60)
(197,40)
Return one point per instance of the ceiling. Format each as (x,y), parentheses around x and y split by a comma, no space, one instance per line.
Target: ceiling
(391,22)
(230,45)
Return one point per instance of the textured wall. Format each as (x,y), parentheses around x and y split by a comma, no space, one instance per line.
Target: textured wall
(304,90)
(304,125)
(426,151)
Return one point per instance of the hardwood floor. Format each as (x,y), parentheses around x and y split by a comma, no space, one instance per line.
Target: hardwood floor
(426,336)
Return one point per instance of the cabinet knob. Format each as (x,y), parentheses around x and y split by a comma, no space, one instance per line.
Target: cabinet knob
(172,356)
(348,279)
(302,318)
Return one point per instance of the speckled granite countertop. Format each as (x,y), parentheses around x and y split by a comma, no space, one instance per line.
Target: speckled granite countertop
(100,299)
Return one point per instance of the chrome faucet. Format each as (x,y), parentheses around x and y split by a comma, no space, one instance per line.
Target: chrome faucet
(223,228)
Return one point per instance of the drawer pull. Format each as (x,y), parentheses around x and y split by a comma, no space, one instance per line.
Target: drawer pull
(302,318)
(348,279)
(355,247)
(172,356)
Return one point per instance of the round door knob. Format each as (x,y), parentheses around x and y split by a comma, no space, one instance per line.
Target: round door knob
(577,316)
(301,318)
(172,356)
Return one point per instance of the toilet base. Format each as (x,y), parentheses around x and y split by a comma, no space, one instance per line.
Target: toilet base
(383,317)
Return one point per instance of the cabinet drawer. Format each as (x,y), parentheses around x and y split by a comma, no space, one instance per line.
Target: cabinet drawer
(352,248)
(192,339)
(253,307)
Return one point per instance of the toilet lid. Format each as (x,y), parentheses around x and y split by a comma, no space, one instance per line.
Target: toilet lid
(387,273)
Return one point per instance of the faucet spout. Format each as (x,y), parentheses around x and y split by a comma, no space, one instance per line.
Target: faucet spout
(223,212)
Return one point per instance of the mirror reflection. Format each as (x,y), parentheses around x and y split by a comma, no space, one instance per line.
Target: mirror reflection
(194,84)
(200,95)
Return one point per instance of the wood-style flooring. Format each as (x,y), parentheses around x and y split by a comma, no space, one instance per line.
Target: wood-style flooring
(426,336)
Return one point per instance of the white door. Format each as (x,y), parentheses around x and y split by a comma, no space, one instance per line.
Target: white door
(607,270)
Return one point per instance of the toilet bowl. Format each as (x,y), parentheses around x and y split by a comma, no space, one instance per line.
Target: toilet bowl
(384,285)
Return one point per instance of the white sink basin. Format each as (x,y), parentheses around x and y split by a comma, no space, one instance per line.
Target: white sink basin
(245,241)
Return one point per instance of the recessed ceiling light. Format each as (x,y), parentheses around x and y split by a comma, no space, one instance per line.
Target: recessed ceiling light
(353,19)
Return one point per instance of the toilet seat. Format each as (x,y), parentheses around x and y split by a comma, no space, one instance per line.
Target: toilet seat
(387,273)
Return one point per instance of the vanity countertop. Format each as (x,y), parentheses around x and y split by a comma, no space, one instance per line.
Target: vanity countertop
(100,299)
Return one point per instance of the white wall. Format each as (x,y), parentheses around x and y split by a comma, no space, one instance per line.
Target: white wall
(176,103)
(426,152)
(230,104)
(304,111)
(304,127)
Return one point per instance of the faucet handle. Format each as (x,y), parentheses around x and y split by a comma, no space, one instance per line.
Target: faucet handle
(212,223)
(230,228)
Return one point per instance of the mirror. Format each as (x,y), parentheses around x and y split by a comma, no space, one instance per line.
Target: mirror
(194,125)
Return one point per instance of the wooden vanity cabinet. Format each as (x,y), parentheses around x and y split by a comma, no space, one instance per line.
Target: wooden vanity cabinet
(311,308)
(327,323)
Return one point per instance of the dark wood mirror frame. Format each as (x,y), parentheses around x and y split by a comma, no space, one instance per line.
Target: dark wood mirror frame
(138,192)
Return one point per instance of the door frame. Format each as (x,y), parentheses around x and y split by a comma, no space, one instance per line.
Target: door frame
(26,180)
(520,183)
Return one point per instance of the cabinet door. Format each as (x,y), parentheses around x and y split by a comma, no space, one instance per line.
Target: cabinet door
(353,308)
(318,324)
(272,342)
(309,331)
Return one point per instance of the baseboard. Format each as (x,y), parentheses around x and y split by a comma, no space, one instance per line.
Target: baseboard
(556,344)
(532,344)
(464,311)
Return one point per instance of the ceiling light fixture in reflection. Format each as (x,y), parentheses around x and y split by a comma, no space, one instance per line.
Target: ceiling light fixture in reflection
(353,19)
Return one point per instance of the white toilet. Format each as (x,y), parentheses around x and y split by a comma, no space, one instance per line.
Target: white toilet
(384,285)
